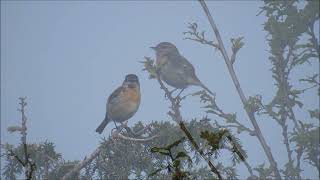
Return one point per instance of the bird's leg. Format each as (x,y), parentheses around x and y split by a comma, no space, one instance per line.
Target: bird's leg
(170,93)
(177,99)
(125,123)
(116,126)
(180,93)
(125,126)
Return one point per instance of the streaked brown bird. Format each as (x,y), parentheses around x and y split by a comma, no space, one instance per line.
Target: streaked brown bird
(174,69)
(123,103)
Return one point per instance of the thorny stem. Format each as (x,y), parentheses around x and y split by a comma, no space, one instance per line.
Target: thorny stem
(235,80)
(176,116)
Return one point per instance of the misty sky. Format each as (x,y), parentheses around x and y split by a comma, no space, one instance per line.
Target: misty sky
(68,56)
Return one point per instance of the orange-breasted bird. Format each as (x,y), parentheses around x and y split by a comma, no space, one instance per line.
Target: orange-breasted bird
(123,103)
(174,69)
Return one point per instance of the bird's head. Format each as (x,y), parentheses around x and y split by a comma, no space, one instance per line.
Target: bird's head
(165,48)
(131,81)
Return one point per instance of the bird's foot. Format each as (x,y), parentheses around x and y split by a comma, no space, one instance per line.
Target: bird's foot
(180,93)
(178,98)
(118,129)
(124,123)
(166,96)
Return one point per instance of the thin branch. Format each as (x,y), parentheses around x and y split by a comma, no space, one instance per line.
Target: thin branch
(286,141)
(29,166)
(314,40)
(233,57)
(115,134)
(200,151)
(299,152)
(235,80)
(119,135)
(248,167)
(82,164)
(176,116)
(11,153)
(199,37)
(238,124)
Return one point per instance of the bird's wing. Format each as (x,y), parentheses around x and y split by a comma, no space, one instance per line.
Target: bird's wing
(187,66)
(113,97)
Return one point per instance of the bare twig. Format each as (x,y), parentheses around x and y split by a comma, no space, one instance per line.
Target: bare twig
(233,57)
(215,109)
(235,80)
(199,37)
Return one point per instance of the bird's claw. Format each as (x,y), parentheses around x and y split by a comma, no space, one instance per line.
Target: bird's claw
(166,96)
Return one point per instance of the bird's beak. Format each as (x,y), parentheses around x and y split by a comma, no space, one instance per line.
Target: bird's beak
(154,48)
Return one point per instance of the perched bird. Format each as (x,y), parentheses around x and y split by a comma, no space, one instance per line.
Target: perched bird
(174,69)
(123,103)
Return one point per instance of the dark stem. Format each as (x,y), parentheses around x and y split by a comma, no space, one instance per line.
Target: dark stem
(200,151)
(299,152)
(313,38)
(27,164)
(286,141)
(235,80)
(176,116)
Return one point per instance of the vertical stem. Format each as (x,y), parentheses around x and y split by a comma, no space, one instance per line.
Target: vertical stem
(24,136)
(286,141)
(313,38)
(235,80)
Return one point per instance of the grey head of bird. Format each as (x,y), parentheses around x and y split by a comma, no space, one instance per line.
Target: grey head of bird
(131,81)
(165,48)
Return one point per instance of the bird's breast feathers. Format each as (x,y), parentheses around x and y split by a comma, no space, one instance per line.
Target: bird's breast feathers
(132,95)
(126,105)
(161,61)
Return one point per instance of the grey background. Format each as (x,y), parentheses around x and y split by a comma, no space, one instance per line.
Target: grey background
(68,56)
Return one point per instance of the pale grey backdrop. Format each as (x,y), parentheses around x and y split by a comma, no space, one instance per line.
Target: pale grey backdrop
(68,56)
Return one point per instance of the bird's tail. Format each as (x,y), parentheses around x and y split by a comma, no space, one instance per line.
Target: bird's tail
(102,125)
(204,87)
(199,83)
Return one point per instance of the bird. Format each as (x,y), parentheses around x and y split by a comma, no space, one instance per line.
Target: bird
(174,69)
(123,102)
